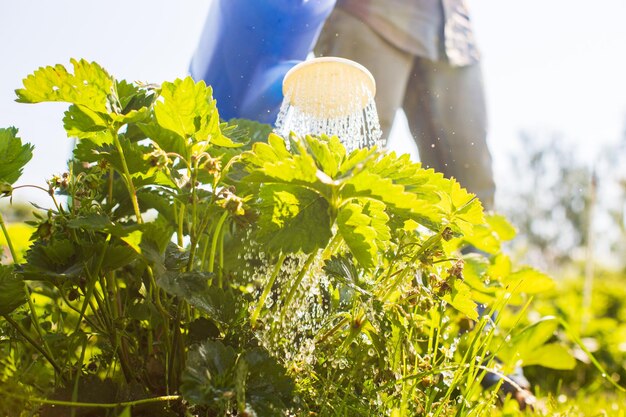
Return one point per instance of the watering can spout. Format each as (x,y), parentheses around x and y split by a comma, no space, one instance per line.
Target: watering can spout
(247,47)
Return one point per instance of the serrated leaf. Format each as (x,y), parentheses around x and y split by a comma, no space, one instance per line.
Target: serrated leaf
(13,155)
(375,210)
(133,239)
(209,377)
(272,163)
(462,208)
(193,287)
(268,388)
(356,158)
(293,219)
(342,268)
(82,123)
(167,140)
(324,157)
(401,170)
(117,256)
(135,155)
(369,185)
(102,223)
(89,86)
(134,102)
(247,131)
(356,230)
(214,376)
(188,109)
(461,299)
(474,270)
(11,290)
(54,260)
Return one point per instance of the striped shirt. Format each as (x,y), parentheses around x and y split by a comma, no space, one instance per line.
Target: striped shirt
(433,29)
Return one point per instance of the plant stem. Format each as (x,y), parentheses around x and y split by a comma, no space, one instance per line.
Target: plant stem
(128,178)
(8,239)
(266,290)
(31,305)
(216,235)
(95,405)
(296,283)
(430,242)
(34,343)
(80,365)
(334,330)
(181,220)
(110,189)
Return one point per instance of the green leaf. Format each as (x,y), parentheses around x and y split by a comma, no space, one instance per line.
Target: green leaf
(102,223)
(209,377)
(90,86)
(13,155)
(501,226)
(529,281)
(11,290)
(133,239)
(463,209)
(193,287)
(54,260)
(531,338)
(379,221)
(367,184)
(483,238)
(268,388)
(401,170)
(341,268)
(216,374)
(356,159)
(321,150)
(552,355)
(272,163)
(82,123)
(116,256)
(356,229)
(133,102)
(247,131)
(137,158)
(461,299)
(293,218)
(188,109)
(167,140)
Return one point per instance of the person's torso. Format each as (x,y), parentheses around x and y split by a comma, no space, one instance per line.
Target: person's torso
(433,29)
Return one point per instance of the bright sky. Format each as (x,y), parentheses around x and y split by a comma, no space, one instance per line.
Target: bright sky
(556,65)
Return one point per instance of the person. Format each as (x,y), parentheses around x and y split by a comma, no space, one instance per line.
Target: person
(424,58)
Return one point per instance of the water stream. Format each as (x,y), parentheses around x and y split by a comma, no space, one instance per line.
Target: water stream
(331,98)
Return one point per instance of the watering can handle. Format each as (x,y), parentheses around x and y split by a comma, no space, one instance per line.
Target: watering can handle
(247,47)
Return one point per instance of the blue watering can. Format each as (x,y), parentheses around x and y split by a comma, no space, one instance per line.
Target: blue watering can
(247,47)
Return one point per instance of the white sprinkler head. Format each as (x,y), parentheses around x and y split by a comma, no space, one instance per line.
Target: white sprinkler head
(328,87)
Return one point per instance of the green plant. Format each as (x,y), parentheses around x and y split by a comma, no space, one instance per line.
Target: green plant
(192,268)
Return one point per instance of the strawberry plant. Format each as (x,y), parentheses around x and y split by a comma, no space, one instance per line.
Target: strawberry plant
(190,266)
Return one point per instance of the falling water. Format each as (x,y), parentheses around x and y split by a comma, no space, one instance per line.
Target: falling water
(331,96)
